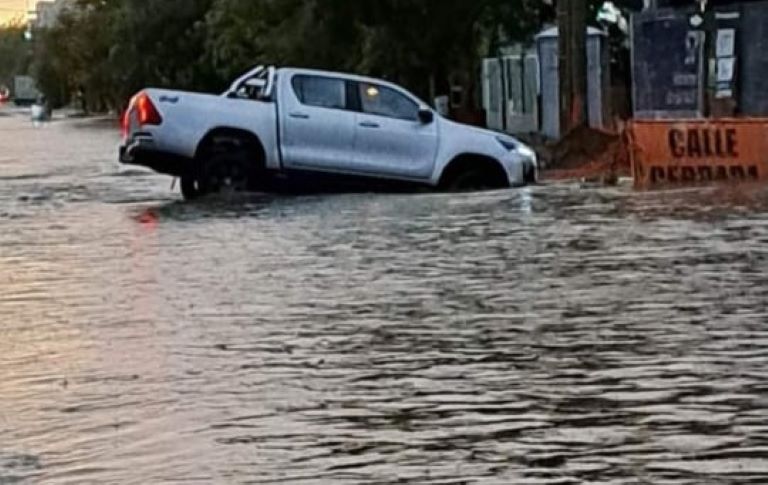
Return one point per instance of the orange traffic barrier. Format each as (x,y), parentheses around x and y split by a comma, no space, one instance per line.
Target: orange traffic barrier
(687,152)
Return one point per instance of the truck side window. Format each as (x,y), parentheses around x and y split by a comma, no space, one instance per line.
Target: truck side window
(384,101)
(322,92)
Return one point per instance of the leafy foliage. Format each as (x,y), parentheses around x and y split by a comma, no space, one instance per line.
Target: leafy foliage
(109,49)
(15,53)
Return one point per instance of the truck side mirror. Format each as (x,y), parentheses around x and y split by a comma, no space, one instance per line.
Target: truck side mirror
(426,116)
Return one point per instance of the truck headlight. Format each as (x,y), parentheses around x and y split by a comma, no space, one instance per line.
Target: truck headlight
(526,152)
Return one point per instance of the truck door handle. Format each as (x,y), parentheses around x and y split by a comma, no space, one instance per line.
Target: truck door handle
(369,124)
(299,116)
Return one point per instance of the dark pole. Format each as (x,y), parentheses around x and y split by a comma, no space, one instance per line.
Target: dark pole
(572,22)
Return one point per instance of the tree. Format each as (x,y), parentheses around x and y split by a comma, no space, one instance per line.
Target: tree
(419,43)
(15,52)
(113,48)
(572,21)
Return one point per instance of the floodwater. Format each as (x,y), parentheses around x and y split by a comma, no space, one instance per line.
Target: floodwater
(554,335)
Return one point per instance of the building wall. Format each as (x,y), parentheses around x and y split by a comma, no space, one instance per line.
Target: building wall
(597,77)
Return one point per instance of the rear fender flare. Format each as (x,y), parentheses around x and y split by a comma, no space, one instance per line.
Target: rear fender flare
(231,139)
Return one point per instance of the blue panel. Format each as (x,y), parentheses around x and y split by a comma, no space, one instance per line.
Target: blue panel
(667,64)
(753,56)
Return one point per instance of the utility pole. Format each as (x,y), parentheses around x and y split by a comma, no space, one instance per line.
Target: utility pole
(572,23)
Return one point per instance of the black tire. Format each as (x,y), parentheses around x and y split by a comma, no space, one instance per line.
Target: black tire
(190,187)
(473,180)
(227,172)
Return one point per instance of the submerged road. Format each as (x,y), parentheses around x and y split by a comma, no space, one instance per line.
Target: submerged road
(554,335)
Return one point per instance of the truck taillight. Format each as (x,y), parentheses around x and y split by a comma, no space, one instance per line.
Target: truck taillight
(125,123)
(148,114)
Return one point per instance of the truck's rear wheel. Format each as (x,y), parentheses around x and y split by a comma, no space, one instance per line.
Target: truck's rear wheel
(229,160)
(227,172)
(190,187)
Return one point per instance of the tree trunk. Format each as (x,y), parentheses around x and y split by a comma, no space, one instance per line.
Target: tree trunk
(572,21)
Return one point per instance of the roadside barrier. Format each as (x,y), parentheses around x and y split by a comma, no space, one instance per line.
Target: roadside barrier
(690,152)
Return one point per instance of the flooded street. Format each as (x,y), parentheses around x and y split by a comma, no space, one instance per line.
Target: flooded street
(554,335)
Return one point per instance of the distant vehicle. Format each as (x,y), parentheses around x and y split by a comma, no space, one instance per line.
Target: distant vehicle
(25,91)
(5,94)
(314,131)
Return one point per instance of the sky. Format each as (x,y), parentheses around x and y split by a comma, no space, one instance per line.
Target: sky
(11,8)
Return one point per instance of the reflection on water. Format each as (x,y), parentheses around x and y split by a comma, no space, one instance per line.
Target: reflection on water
(551,335)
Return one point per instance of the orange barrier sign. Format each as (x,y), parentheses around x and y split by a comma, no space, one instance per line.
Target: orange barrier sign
(694,152)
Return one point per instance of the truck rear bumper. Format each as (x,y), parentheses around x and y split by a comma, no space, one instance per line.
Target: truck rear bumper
(162,162)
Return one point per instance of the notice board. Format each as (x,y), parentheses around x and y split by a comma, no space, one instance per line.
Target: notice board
(667,65)
(754,56)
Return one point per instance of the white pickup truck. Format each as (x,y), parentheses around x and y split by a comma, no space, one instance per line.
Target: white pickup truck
(303,130)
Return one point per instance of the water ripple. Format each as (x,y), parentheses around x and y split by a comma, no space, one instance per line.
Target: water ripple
(554,335)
